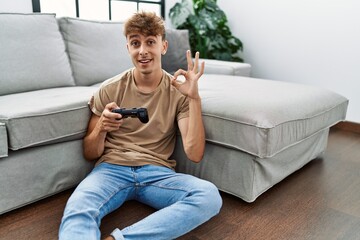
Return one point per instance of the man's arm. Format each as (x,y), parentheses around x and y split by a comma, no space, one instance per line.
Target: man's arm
(192,128)
(98,127)
(192,132)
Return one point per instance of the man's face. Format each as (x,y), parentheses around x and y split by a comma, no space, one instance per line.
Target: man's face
(145,51)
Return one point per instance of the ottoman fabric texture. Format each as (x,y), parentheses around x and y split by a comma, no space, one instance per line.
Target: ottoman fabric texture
(264,117)
(3,141)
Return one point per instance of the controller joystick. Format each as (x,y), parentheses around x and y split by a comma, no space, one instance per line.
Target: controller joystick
(140,113)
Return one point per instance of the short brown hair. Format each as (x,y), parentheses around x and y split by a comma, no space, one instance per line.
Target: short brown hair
(145,23)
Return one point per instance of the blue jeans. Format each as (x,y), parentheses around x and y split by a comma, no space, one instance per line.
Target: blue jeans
(183,202)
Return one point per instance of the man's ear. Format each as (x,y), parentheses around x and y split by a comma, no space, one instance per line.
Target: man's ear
(165,47)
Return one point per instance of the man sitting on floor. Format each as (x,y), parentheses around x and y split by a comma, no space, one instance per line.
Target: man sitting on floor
(133,158)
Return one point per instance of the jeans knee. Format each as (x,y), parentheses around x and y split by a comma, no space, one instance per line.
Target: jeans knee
(212,199)
(215,199)
(81,209)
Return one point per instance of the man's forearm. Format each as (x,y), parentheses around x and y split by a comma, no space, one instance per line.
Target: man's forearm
(94,144)
(99,126)
(195,137)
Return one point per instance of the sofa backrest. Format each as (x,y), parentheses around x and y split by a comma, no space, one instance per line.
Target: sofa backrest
(36,55)
(97,49)
(32,53)
(175,56)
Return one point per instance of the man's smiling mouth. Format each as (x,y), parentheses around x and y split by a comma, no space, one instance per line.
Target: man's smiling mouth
(145,61)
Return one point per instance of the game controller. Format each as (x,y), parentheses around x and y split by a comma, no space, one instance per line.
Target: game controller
(140,113)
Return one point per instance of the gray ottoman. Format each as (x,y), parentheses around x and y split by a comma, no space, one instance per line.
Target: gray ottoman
(260,131)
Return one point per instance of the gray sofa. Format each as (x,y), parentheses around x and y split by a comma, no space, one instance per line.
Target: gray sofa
(257,131)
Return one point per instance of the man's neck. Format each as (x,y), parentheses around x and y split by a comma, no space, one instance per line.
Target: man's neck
(147,82)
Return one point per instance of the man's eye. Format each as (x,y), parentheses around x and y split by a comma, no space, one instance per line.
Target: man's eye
(151,42)
(134,43)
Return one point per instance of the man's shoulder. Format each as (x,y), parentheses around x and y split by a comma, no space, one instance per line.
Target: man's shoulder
(124,76)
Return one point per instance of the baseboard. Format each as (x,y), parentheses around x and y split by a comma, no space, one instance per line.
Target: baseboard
(348,126)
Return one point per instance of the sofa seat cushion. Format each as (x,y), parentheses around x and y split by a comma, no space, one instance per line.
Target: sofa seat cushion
(3,141)
(45,116)
(213,66)
(264,117)
(32,53)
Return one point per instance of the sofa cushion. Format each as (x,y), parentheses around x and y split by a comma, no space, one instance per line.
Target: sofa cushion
(97,49)
(264,117)
(45,116)
(213,66)
(175,57)
(3,141)
(41,62)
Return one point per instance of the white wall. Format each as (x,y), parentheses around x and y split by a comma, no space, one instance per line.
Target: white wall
(24,6)
(314,42)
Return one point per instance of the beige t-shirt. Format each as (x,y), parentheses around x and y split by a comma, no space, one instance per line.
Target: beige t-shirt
(136,143)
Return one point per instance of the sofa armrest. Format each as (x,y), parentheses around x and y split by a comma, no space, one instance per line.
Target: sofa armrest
(213,66)
(3,141)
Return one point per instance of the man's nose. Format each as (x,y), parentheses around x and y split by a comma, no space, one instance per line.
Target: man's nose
(143,49)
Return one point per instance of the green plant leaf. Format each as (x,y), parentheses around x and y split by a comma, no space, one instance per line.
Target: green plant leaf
(180,12)
(208,30)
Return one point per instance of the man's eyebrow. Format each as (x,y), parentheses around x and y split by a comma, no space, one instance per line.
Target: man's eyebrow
(134,36)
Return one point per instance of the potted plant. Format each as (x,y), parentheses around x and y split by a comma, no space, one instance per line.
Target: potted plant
(208,30)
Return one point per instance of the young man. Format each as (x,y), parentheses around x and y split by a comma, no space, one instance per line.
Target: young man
(132,157)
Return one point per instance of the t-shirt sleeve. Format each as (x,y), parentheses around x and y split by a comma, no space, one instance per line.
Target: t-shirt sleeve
(183,109)
(98,101)
(105,94)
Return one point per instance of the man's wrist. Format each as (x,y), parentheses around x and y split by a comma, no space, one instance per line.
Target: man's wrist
(99,130)
(196,99)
